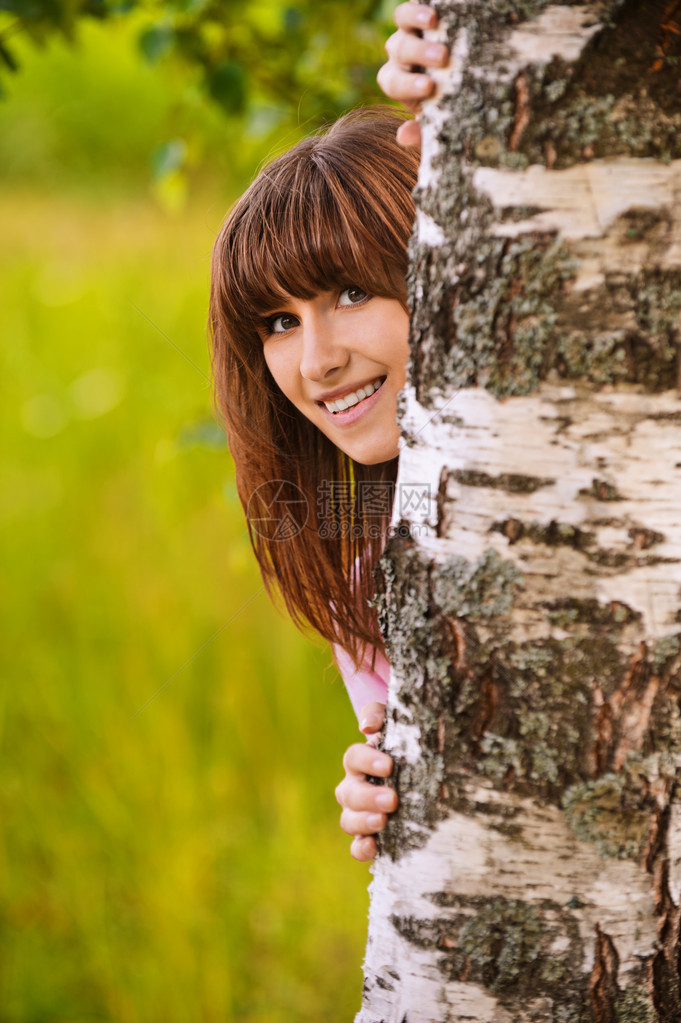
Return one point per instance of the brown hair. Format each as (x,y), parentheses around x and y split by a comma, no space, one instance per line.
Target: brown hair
(334,211)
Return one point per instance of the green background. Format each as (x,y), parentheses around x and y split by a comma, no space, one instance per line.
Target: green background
(170,847)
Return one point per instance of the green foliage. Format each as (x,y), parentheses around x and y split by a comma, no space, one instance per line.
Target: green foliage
(169,744)
(319,57)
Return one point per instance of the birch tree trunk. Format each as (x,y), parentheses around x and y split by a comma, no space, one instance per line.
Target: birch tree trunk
(532,609)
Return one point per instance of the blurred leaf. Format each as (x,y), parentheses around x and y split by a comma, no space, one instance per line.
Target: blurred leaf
(171,191)
(7,57)
(294,19)
(205,434)
(227,86)
(168,157)
(157,41)
(263,118)
(307,59)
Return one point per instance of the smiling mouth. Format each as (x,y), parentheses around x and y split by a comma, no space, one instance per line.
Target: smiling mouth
(354,397)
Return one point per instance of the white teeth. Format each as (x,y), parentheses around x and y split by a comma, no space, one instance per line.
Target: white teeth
(348,400)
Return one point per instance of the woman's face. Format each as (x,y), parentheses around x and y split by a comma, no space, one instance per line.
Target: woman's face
(341,359)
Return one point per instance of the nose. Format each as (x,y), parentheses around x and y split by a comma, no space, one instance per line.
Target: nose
(323,351)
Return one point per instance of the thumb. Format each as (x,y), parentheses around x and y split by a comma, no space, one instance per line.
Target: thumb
(371,718)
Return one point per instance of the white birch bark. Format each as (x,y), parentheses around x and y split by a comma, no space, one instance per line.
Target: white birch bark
(533,619)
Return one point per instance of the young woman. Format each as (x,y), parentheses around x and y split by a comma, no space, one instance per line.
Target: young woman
(309,326)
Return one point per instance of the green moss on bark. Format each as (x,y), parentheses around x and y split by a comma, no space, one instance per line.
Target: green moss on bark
(503,942)
(610,102)
(498,313)
(476,590)
(634,1005)
(419,655)
(505,945)
(614,812)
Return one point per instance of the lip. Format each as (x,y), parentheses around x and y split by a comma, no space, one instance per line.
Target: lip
(351,415)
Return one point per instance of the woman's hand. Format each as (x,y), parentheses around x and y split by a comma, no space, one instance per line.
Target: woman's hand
(401,78)
(365,806)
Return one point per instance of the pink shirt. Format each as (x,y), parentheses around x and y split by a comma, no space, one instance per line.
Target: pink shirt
(365,684)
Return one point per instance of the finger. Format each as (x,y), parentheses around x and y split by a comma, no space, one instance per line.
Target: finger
(408,50)
(409,133)
(362,758)
(405,87)
(371,718)
(412,16)
(363,849)
(363,797)
(354,823)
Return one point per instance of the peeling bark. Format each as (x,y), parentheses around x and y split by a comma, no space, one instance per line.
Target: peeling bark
(532,612)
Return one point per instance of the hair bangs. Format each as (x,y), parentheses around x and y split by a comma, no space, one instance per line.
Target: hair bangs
(335,211)
(316,229)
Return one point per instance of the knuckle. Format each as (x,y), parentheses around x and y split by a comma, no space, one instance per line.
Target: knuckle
(347,759)
(346,823)
(392,43)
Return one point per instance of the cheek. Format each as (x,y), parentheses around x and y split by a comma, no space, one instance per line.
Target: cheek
(277,364)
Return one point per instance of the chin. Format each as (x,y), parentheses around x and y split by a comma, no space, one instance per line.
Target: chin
(374,456)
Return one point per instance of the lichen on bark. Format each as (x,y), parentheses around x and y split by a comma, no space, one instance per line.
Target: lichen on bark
(535,705)
(610,102)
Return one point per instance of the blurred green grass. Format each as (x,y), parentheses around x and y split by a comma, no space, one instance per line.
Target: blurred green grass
(170,848)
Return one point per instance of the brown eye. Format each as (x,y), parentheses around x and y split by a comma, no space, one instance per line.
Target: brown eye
(281,323)
(352,296)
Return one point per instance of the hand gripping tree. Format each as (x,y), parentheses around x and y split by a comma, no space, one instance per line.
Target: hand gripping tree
(532,612)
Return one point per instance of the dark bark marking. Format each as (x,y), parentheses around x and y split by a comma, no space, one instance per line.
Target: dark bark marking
(487,707)
(568,611)
(622,723)
(667,417)
(512,529)
(563,534)
(644,538)
(603,990)
(443,504)
(604,732)
(631,704)
(555,534)
(665,965)
(512,483)
(657,840)
(522,111)
(601,490)
(670,27)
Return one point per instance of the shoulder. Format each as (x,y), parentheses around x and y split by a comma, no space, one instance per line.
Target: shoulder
(366,683)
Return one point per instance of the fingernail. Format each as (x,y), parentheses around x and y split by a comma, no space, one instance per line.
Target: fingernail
(424,17)
(371,721)
(422,83)
(435,52)
(375,821)
(386,800)
(379,765)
